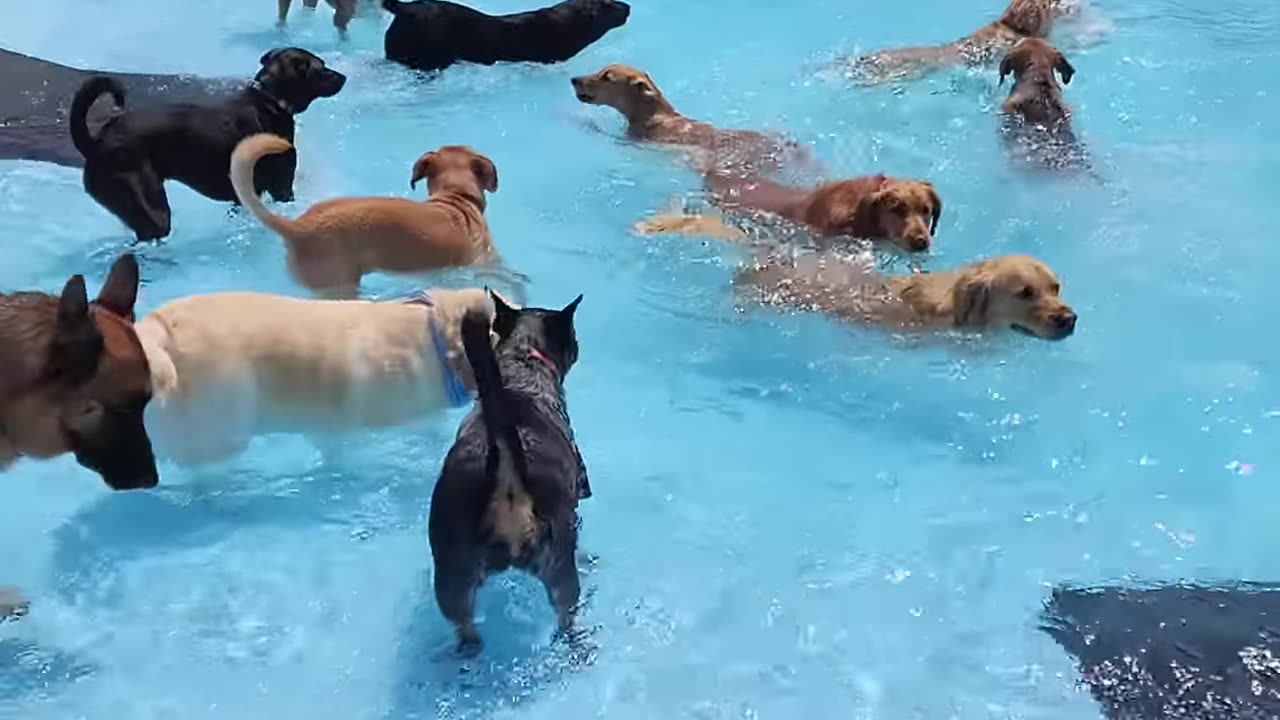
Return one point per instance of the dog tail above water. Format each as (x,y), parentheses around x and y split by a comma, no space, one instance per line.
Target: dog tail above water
(91,90)
(245,157)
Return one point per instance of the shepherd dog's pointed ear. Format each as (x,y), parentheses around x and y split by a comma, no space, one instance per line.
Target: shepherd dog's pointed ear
(572,307)
(504,316)
(77,343)
(120,291)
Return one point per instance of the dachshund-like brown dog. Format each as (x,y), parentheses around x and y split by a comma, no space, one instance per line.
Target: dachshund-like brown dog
(650,116)
(1010,292)
(334,243)
(1021,19)
(877,207)
(1036,120)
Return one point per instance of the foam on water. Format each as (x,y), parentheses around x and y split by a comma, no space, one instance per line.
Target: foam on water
(792,517)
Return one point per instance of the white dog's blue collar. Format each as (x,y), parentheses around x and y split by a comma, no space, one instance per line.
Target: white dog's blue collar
(455,390)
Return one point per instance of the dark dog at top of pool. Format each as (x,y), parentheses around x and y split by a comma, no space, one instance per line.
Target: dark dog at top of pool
(134,153)
(1035,119)
(509,490)
(434,34)
(1174,651)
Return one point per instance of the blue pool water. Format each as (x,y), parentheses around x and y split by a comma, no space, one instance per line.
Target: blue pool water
(792,518)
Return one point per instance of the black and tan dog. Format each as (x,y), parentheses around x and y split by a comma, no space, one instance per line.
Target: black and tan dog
(434,34)
(1035,119)
(132,156)
(509,490)
(74,379)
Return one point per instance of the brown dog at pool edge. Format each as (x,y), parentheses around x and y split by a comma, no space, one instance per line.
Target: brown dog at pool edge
(1036,121)
(74,379)
(650,116)
(1022,18)
(343,11)
(335,242)
(1011,292)
(877,207)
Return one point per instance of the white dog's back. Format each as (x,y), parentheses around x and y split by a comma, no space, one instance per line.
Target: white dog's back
(229,366)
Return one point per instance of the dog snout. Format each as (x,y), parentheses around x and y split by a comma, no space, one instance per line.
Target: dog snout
(918,242)
(1064,322)
(580,89)
(334,81)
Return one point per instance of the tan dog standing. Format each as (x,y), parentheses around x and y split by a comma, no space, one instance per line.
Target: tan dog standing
(1036,119)
(74,379)
(1010,292)
(904,212)
(228,367)
(650,116)
(334,243)
(1021,19)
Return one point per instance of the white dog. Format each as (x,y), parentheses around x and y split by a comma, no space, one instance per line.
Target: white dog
(229,366)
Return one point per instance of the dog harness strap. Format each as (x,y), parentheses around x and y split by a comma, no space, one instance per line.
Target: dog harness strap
(455,390)
(536,353)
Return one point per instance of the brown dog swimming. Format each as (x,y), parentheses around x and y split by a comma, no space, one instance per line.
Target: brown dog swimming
(1036,120)
(1014,292)
(651,117)
(74,379)
(876,207)
(334,243)
(1021,19)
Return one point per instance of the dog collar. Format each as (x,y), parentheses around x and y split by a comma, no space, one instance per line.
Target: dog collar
(455,390)
(270,97)
(538,354)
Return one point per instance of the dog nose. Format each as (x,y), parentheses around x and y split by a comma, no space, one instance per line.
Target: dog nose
(918,243)
(577,81)
(1065,321)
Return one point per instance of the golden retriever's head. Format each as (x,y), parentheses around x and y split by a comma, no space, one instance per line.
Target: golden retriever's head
(1033,54)
(623,88)
(456,168)
(1031,18)
(905,212)
(1014,291)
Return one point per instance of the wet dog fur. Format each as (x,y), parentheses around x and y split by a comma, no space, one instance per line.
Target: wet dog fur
(334,243)
(508,493)
(134,153)
(74,379)
(431,35)
(1035,119)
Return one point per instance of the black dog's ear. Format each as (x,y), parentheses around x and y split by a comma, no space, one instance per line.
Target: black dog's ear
(1064,69)
(120,292)
(504,316)
(77,343)
(269,56)
(571,308)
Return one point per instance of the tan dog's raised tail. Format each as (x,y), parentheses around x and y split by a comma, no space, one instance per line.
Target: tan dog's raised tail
(335,242)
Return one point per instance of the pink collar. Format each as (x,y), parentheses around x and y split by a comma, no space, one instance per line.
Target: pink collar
(536,353)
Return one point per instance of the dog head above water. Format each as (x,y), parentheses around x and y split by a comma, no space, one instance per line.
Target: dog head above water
(612,13)
(628,90)
(905,212)
(1033,55)
(97,383)
(294,78)
(456,168)
(547,334)
(1030,18)
(1013,291)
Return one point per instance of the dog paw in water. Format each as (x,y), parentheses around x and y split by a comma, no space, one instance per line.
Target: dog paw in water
(576,646)
(12,604)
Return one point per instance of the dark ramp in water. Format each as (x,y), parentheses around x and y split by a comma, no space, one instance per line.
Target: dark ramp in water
(35,96)
(1179,651)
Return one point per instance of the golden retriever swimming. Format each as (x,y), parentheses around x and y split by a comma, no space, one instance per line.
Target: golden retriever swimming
(1035,119)
(1011,292)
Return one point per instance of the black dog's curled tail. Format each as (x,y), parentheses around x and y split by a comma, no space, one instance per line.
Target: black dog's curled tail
(496,407)
(391,6)
(90,91)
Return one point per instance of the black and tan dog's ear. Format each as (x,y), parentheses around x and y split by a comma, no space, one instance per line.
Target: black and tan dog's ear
(1064,68)
(504,316)
(120,291)
(486,172)
(77,343)
(422,169)
(971,298)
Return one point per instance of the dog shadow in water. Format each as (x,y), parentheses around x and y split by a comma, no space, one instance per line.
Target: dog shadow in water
(519,658)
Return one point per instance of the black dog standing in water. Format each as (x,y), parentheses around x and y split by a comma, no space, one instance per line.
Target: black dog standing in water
(1208,653)
(434,34)
(127,164)
(509,490)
